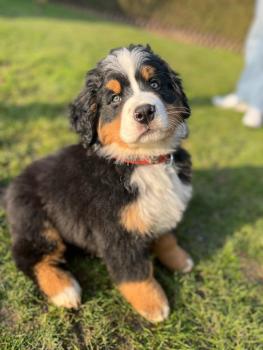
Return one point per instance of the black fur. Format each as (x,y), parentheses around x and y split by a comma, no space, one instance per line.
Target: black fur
(84,110)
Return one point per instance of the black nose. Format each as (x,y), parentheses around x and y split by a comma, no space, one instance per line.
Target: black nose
(144,114)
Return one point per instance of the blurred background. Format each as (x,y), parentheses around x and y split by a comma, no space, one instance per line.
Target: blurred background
(46,48)
(214,23)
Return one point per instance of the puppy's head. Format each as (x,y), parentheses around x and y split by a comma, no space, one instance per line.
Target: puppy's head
(132,103)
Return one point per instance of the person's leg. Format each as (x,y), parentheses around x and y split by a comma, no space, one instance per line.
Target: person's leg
(253,70)
(250,85)
(248,95)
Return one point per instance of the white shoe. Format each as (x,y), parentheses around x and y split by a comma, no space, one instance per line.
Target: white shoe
(253,118)
(230,101)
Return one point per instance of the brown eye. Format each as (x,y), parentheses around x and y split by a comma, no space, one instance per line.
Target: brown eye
(116,98)
(154,84)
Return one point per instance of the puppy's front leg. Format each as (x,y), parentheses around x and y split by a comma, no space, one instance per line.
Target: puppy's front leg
(171,254)
(132,272)
(147,297)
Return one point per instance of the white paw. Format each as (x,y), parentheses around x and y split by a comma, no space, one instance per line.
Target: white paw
(161,315)
(189,266)
(156,313)
(70,297)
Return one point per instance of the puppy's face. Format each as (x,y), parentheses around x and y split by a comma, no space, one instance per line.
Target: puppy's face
(134,102)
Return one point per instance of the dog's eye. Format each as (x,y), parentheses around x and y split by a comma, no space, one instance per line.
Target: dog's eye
(116,98)
(154,84)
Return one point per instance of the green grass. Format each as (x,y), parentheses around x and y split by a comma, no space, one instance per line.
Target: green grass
(44,53)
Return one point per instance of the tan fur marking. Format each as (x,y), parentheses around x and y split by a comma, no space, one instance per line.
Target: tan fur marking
(170,253)
(50,278)
(147,72)
(147,298)
(114,85)
(110,133)
(131,219)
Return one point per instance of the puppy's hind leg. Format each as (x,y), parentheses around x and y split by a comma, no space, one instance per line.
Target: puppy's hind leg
(56,283)
(38,248)
(59,285)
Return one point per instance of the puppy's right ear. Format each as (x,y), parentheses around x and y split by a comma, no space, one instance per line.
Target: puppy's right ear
(84,110)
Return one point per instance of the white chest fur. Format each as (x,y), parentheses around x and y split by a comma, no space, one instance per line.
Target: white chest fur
(162,196)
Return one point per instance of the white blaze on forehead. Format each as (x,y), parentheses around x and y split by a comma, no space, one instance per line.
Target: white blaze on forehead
(127,62)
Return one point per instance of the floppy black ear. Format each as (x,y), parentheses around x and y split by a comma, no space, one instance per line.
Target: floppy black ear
(84,110)
(178,88)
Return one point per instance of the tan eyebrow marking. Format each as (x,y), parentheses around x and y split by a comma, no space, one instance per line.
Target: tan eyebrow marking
(147,72)
(114,85)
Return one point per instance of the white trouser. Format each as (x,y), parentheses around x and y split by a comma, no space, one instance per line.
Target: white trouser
(250,85)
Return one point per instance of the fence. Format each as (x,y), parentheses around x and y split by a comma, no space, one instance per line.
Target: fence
(213,23)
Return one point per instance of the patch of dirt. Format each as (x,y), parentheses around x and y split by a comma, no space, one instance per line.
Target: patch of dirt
(252,269)
(8,317)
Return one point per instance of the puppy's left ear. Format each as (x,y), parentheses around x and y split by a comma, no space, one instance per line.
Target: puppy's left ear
(178,88)
(84,110)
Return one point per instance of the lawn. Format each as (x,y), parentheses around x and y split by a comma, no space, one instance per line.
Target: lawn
(44,54)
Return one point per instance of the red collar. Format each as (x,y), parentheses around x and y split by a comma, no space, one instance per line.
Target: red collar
(163,158)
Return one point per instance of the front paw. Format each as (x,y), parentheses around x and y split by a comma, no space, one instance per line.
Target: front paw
(147,298)
(172,255)
(188,265)
(154,311)
(180,261)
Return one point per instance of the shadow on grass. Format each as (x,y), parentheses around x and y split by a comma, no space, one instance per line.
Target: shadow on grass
(225,199)
(35,8)
(200,101)
(62,10)
(13,113)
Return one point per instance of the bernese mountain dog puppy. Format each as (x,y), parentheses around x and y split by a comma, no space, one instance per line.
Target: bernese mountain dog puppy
(118,194)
